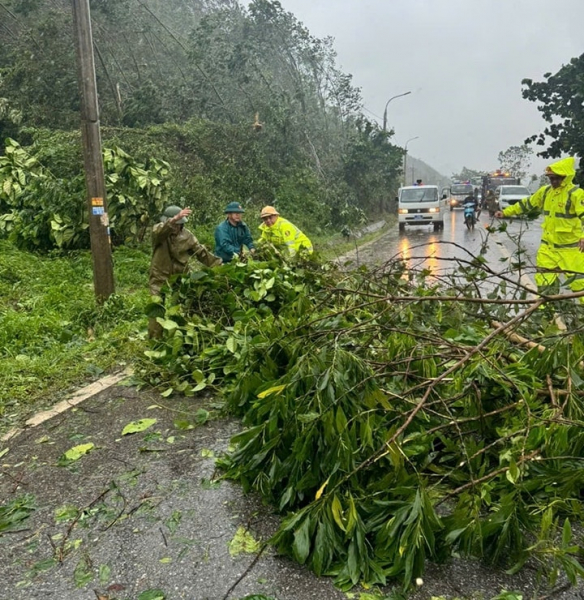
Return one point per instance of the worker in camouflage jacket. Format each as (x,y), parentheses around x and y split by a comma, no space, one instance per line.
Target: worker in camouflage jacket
(172,247)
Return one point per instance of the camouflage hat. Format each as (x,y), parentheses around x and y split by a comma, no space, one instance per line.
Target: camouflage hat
(172,211)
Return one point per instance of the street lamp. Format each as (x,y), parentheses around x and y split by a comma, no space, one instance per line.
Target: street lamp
(406,158)
(385,111)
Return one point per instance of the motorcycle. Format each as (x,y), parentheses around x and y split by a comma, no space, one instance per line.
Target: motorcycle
(469,216)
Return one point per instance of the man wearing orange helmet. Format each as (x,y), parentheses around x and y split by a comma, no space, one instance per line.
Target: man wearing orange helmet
(281,233)
(562,240)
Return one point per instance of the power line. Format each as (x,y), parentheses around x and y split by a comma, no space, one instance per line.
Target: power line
(372,113)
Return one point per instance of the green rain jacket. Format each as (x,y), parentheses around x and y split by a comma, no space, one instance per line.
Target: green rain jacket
(563,208)
(230,239)
(171,249)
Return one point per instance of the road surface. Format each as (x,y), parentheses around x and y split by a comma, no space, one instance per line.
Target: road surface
(440,251)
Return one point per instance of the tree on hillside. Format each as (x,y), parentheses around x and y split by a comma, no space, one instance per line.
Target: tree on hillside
(561,103)
(516,160)
(206,66)
(467,174)
(371,165)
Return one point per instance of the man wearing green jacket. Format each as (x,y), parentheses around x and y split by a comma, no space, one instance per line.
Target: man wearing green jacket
(232,234)
(562,240)
(172,246)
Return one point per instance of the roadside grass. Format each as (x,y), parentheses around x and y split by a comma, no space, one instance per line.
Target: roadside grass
(53,336)
(337,245)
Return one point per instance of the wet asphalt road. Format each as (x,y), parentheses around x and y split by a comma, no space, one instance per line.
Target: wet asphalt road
(441,252)
(146,512)
(425,248)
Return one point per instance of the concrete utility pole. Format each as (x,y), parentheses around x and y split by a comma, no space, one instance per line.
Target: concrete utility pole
(406,161)
(103,276)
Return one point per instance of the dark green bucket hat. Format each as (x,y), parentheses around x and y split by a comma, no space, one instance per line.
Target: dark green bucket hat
(234,207)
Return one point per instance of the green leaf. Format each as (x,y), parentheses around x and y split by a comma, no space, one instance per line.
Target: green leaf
(231,344)
(512,473)
(137,426)
(566,533)
(337,511)
(83,573)
(66,513)
(75,453)
(301,545)
(15,512)
(104,574)
(154,594)
(243,542)
(202,416)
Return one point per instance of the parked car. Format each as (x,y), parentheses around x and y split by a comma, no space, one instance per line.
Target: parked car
(507,195)
(421,205)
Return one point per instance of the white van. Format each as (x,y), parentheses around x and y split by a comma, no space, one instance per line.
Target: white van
(420,205)
(510,194)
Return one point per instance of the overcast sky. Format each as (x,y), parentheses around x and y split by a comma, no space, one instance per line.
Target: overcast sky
(462,60)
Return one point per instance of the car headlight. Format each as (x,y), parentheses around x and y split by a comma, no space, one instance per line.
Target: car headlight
(403,211)
(433,210)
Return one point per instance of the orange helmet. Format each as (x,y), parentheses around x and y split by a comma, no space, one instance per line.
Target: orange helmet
(268,211)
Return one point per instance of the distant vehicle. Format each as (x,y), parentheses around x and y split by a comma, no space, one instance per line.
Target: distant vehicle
(420,205)
(458,192)
(493,180)
(510,194)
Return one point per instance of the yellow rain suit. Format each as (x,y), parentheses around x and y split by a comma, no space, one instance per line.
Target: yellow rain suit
(284,234)
(563,210)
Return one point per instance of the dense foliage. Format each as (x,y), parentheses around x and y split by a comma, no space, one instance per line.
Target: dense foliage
(561,102)
(391,419)
(241,103)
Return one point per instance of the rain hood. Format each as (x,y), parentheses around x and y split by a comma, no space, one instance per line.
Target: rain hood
(565,168)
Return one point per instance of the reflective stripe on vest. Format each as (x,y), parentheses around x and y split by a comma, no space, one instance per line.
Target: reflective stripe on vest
(572,245)
(568,203)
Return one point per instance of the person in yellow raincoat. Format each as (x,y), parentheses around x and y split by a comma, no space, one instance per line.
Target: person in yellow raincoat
(172,246)
(281,233)
(562,240)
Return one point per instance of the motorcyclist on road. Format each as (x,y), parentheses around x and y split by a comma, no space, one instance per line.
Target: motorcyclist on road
(562,240)
(470,207)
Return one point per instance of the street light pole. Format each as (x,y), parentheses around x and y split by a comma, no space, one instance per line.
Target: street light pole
(406,158)
(385,111)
